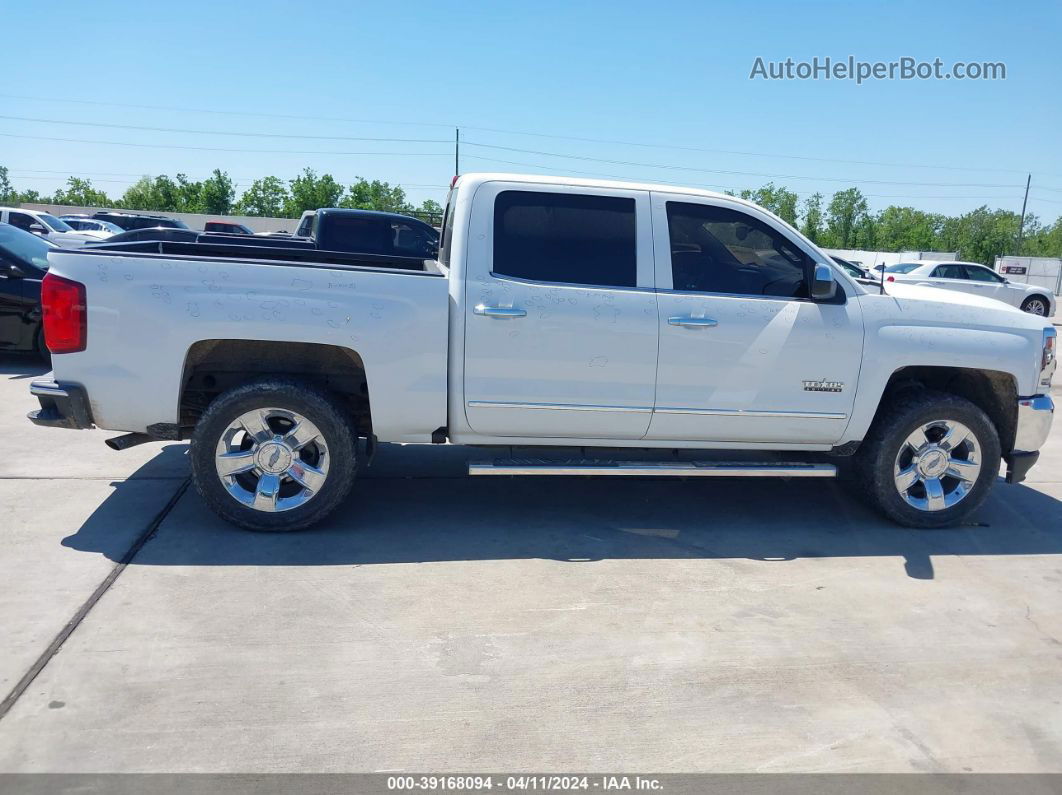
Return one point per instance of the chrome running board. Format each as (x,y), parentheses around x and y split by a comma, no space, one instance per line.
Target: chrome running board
(684,469)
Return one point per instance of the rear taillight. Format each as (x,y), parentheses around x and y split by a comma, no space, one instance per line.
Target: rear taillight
(65,326)
(891,279)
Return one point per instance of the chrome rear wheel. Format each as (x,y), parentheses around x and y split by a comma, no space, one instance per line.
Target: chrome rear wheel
(272,459)
(1035,306)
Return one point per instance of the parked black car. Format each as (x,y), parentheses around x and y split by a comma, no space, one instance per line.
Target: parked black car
(138,220)
(227,226)
(23,263)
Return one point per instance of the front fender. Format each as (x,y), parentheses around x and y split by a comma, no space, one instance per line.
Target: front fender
(893,347)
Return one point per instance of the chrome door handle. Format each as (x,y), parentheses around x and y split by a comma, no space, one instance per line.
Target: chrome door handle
(499,311)
(692,322)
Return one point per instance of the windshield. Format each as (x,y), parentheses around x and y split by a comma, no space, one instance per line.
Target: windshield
(903,267)
(25,247)
(55,223)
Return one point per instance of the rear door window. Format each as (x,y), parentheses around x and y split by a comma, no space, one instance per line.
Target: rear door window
(565,238)
(949,272)
(363,234)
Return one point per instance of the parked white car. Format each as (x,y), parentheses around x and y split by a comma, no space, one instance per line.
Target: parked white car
(85,223)
(49,227)
(976,279)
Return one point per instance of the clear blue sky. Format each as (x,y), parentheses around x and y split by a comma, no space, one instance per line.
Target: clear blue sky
(653,73)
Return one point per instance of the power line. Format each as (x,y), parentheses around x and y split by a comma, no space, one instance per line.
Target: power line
(259,114)
(741,173)
(222,132)
(685,148)
(222,149)
(497,130)
(140,175)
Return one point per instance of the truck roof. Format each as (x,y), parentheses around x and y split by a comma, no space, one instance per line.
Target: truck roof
(585,182)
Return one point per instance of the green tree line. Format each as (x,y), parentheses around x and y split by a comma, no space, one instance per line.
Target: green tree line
(216,195)
(844,221)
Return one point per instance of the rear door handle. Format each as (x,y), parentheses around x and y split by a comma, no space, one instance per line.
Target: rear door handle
(499,311)
(692,322)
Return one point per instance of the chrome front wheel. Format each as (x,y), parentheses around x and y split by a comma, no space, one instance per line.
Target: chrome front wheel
(937,465)
(272,459)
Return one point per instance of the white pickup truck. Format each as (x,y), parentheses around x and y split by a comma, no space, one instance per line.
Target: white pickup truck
(653,329)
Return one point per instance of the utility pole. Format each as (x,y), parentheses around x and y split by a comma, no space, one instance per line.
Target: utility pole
(457,155)
(1021,224)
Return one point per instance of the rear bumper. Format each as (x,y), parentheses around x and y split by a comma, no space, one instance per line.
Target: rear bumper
(1034,424)
(62,405)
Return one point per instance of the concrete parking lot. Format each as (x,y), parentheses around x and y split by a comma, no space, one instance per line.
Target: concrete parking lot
(442,623)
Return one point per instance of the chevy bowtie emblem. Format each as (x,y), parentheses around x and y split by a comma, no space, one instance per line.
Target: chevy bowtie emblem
(823,386)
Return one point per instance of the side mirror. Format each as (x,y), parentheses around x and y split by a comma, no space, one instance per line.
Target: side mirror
(11,270)
(38,229)
(823,286)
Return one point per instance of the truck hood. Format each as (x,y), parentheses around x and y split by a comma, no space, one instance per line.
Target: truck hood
(952,305)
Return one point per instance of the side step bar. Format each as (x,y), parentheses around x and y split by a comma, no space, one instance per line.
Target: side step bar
(684,469)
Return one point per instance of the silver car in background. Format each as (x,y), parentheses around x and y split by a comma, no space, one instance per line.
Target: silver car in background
(84,223)
(976,279)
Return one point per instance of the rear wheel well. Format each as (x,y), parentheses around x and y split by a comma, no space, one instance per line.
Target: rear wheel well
(212,367)
(993,391)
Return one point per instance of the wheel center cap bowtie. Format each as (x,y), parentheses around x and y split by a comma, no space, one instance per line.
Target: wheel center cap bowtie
(273,457)
(933,463)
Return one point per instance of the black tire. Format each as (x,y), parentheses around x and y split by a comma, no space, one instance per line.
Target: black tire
(1043,301)
(40,348)
(317,405)
(877,456)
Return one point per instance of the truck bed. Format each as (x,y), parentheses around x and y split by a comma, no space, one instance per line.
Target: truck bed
(288,252)
(150,311)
